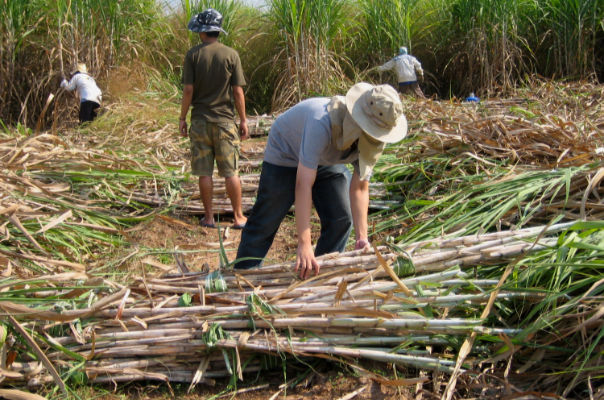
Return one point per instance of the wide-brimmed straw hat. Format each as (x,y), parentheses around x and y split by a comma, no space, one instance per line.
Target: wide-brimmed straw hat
(378,111)
(208,20)
(369,115)
(80,67)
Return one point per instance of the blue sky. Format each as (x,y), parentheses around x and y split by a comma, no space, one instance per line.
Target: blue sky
(256,3)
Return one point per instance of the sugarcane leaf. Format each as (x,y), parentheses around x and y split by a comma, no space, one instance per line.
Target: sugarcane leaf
(225,355)
(404,266)
(185,300)
(583,225)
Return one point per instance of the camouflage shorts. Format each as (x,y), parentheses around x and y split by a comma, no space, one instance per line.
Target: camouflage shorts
(214,141)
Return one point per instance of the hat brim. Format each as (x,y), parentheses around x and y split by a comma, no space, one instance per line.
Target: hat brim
(195,26)
(355,108)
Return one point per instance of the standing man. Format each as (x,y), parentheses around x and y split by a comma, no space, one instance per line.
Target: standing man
(406,67)
(89,93)
(304,163)
(213,80)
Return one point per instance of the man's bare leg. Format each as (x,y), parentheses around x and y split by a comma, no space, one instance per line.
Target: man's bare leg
(206,191)
(233,189)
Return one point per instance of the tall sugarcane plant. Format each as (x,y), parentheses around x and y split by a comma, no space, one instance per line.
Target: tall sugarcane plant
(42,40)
(389,25)
(306,63)
(569,31)
(486,43)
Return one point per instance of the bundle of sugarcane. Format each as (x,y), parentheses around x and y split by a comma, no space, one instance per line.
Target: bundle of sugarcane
(147,335)
(251,158)
(197,326)
(186,198)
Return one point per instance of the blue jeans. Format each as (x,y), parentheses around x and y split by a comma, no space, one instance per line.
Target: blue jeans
(276,194)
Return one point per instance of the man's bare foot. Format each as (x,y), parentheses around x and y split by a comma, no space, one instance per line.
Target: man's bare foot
(239,223)
(207,223)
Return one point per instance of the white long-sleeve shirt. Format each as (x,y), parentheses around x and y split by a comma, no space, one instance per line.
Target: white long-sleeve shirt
(405,66)
(86,87)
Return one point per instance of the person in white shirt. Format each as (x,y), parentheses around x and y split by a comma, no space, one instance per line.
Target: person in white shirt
(89,93)
(407,68)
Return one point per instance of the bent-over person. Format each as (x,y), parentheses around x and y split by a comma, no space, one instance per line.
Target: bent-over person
(88,91)
(305,163)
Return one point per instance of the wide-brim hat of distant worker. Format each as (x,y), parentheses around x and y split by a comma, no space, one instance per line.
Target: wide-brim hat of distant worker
(208,20)
(80,67)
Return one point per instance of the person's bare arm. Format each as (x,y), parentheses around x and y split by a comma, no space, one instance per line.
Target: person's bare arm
(305,260)
(187,98)
(240,106)
(359,204)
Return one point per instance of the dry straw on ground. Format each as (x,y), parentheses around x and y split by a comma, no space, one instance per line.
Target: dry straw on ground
(550,126)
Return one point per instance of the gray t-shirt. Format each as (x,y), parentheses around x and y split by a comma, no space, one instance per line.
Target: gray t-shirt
(303,134)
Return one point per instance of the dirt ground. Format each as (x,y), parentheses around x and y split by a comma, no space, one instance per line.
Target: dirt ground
(201,245)
(329,383)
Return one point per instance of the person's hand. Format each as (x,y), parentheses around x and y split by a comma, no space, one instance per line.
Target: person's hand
(362,244)
(182,127)
(421,77)
(305,261)
(243,130)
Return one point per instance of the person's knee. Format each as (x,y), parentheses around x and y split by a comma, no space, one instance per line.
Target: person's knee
(342,225)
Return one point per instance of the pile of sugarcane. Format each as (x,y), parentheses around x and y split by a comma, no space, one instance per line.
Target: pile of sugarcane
(259,125)
(58,202)
(189,201)
(537,128)
(195,327)
(481,202)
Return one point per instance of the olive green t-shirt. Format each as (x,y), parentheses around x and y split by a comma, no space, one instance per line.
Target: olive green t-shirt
(212,69)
